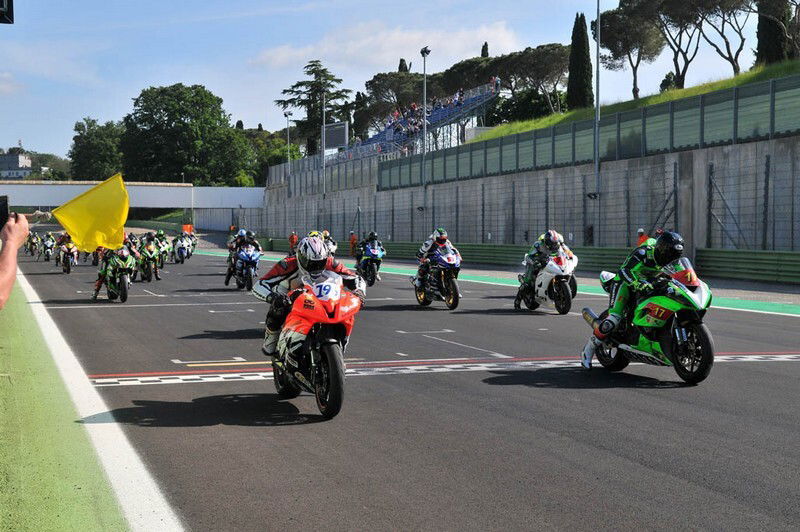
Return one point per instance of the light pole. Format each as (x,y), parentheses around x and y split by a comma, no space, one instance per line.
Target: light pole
(322,148)
(287,114)
(425,52)
(597,128)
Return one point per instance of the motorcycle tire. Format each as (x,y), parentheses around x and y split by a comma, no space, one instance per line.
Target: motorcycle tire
(239,282)
(283,385)
(111,293)
(248,281)
(422,297)
(616,362)
(705,343)
(563,298)
(573,286)
(123,288)
(453,296)
(66,265)
(530,301)
(329,386)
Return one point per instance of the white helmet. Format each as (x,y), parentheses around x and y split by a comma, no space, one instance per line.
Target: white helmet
(312,256)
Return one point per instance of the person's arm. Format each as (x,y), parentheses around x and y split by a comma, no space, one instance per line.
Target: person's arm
(12,236)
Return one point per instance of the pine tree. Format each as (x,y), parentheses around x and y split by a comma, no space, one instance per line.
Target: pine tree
(579,85)
(485,50)
(773,46)
(402,67)
(239,124)
(260,127)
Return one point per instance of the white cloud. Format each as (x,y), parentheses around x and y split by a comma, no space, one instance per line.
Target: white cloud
(8,84)
(378,47)
(69,62)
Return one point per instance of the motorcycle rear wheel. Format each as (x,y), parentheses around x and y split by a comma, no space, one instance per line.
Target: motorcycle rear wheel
(283,385)
(612,362)
(66,265)
(422,296)
(369,274)
(329,387)
(698,367)
(248,281)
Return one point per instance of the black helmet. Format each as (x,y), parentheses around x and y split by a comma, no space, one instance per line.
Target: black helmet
(551,241)
(668,248)
(440,235)
(372,235)
(249,234)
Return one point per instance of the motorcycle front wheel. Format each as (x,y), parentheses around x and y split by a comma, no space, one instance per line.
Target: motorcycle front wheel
(563,298)
(123,288)
(453,296)
(694,360)
(329,385)
(248,280)
(66,265)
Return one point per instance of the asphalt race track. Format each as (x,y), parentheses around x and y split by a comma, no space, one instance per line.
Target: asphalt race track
(479,418)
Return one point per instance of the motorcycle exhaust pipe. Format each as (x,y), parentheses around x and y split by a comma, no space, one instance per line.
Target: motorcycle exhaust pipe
(590,317)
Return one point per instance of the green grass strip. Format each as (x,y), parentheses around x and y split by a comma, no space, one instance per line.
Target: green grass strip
(50,477)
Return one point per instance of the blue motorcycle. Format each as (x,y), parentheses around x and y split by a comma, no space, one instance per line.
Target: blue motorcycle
(370,262)
(441,282)
(246,267)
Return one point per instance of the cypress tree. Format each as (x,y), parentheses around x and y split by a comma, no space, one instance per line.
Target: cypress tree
(239,124)
(402,67)
(773,46)
(485,49)
(579,85)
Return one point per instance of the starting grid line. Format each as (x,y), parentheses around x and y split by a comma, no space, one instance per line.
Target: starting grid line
(399,370)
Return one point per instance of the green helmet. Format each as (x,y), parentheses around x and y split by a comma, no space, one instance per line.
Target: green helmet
(160,232)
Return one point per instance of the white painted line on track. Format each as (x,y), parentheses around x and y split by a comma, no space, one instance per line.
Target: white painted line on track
(232,359)
(401,354)
(426,332)
(153,293)
(145,305)
(142,502)
(229,311)
(489,352)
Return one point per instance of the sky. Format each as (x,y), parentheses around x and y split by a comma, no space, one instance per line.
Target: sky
(65,60)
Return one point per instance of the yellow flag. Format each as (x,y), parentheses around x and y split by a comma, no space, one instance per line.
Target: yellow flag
(97,217)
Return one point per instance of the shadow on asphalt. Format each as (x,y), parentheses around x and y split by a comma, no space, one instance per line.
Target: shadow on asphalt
(505,311)
(253,410)
(240,334)
(577,378)
(102,300)
(397,306)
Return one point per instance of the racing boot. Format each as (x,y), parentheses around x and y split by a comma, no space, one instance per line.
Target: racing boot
(228,276)
(518,299)
(589,351)
(270,345)
(155,273)
(97,286)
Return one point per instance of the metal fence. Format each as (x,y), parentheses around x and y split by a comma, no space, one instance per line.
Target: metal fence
(755,208)
(752,112)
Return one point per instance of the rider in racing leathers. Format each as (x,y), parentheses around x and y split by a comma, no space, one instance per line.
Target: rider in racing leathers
(243,238)
(436,239)
(280,284)
(372,239)
(636,274)
(150,238)
(546,246)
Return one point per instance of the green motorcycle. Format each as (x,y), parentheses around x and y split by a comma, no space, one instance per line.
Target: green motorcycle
(147,262)
(118,275)
(662,327)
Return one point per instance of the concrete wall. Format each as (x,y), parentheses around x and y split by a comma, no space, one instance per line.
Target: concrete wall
(153,195)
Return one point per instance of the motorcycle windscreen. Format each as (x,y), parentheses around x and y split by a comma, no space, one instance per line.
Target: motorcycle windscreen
(683,271)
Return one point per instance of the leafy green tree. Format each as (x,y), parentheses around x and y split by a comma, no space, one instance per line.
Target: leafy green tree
(182,129)
(774,18)
(402,67)
(308,96)
(547,67)
(579,86)
(680,25)
(270,150)
(239,124)
(630,41)
(95,153)
(260,127)
(526,105)
(723,27)
(668,83)
(485,49)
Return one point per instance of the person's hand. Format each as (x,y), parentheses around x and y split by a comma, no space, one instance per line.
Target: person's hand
(15,231)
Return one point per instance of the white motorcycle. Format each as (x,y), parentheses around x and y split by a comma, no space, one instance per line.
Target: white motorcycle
(555,284)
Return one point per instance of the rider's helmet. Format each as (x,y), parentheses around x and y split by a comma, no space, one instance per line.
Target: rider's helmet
(160,233)
(312,256)
(440,236)
(123,252)
(314,234)
(241,234)
(372,236)
(551,241)
(185,234)
(668,248)
(250,234)
(150,235)
(326,234)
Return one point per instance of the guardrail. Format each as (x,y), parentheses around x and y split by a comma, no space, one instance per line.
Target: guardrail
(774,266)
